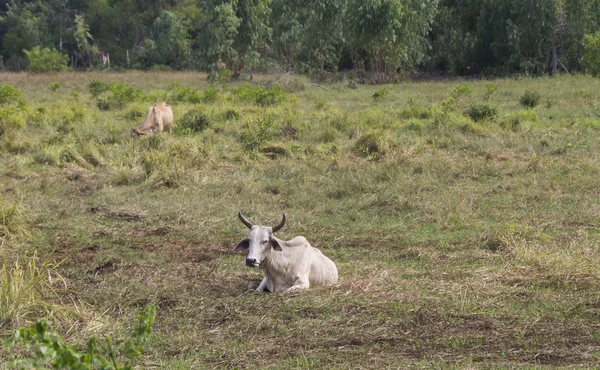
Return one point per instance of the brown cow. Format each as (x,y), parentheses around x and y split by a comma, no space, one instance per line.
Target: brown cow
(158,118)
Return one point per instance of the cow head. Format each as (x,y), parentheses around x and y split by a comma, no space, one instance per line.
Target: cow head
(260,241)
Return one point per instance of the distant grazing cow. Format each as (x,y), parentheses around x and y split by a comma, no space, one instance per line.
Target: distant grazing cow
(158,118)
(288,266)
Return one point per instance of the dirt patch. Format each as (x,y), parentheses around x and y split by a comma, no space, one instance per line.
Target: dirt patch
(150,231)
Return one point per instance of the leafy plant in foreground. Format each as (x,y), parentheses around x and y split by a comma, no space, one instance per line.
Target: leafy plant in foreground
(105,354)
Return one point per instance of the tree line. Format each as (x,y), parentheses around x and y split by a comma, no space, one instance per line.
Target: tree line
(377,40)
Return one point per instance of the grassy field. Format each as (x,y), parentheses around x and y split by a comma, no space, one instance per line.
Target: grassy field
(458,243)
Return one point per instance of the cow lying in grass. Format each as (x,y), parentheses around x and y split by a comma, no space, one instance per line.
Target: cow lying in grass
(158,119)
(288,265)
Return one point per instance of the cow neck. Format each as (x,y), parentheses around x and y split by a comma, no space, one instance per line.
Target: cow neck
(276,261)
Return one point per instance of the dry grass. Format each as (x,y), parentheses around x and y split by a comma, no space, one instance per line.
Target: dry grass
(459,244)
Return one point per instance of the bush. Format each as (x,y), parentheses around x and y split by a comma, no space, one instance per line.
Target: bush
(261,96)
(515,121)
(380,94)
(10,95)
(530,99)
(253,137)
(54,86)
(480,112)
(46,60)
(591,54)
(195,121)
(10,119)
(120,94)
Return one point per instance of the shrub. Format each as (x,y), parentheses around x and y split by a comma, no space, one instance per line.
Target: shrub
(261,96)
(10,119)
(54,86)
(210,95)
(46,60)
(187,95)
(530,99)
(461,90)
(255,135)
(97,88)
(380,94)
(120,94)
(10,95)
(480,112)
(195,121)
(230,114)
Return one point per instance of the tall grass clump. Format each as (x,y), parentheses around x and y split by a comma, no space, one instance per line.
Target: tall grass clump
(25,286)
(10,95)
(12,219)
(373,144)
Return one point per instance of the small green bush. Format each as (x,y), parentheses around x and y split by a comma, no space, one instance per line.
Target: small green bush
(54,86)
(530,99)
(256,134)
(210,95)
(195,121)
(480,112)
(97,88)
(46,60)
(380,94)
(10,95)
(11,118)
(259,95)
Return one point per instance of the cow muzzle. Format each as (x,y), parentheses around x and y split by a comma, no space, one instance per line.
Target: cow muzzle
(252,262)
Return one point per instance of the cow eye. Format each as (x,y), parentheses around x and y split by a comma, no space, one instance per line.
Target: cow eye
(265,241)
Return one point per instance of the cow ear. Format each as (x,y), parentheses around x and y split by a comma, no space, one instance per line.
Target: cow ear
(242,246)
(275,245)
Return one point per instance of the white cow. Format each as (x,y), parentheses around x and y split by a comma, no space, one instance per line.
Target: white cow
(288,265)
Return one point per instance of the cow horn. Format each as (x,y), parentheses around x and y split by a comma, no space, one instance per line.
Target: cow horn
(276,228)
(245,220)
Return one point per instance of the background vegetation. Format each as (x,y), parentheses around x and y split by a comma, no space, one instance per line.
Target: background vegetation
(462,215)
(375,40)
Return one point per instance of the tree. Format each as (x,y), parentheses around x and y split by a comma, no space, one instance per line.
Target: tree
(169,43)
(243,26)
(323,31)
(390,33)
(84,40)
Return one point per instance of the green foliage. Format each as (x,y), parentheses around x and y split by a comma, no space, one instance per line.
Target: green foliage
(11,118)
(194,121)
(179,94)
(255,135)
(380,94)
(54,86)
(390,32)
(489,90)
(169,42)
(461,90)
(259,95)
(46,60)
(10,95)
(591,54)
(480,112)
(530,99)
(106,353)
(119,94)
